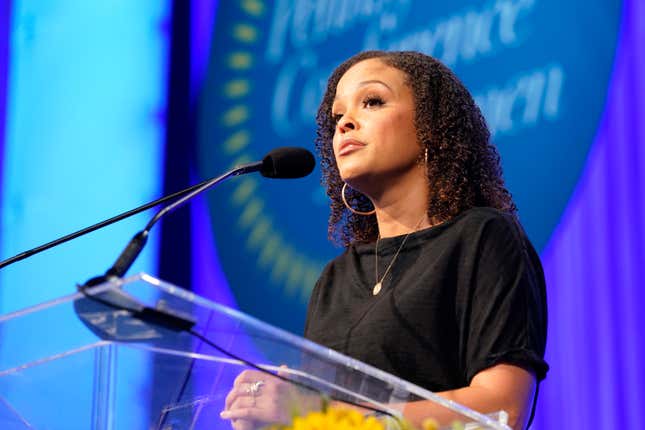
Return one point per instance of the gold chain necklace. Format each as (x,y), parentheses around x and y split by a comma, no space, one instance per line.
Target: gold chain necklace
(379,284)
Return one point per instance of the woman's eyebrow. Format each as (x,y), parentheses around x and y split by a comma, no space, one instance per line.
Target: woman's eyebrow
(368,82)
(374,81)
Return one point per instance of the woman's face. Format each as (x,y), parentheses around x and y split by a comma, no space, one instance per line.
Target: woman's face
(375,140)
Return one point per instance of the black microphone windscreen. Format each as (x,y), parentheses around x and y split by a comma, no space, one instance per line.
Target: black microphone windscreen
(287,163)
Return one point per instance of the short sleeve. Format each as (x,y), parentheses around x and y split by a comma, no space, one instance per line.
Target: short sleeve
(311,309)
(505,312)
(311,321)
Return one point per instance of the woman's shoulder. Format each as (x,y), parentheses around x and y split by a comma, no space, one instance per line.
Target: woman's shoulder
(484,214)
(499,237)
(487,221)
(488,231)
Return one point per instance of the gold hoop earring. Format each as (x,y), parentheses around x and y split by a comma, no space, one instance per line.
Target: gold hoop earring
(425,157)
(354,211)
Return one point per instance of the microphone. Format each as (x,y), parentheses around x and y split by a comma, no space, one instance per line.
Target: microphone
(287,163)
(280,163)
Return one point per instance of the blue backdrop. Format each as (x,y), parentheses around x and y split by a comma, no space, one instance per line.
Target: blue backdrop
(528,63)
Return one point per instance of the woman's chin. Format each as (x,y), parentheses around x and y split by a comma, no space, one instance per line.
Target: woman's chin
(353,178)
(353,172)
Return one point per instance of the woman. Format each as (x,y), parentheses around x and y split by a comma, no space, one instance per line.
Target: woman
(438,284)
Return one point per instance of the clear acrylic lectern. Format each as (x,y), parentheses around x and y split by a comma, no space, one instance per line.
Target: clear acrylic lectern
(88,376)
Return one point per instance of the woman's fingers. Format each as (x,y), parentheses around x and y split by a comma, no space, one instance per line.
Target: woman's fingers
(243,389)
(248,408)
(253,413)
(258,398)
(247,383)
(266,408)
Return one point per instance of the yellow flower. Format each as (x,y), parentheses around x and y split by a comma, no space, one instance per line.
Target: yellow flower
(350,419)
(334,419)
(429,424)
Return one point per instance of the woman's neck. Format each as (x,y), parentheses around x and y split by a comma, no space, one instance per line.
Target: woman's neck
(403,207)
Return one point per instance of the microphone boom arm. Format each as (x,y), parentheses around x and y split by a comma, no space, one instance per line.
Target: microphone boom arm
(240,170)
(136,244)
(117,218)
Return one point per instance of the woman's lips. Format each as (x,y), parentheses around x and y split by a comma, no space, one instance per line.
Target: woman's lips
(348,146)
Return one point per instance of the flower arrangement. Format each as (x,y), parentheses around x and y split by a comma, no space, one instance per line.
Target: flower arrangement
(332,418)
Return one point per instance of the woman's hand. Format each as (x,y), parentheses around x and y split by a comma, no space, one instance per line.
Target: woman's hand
(258,399)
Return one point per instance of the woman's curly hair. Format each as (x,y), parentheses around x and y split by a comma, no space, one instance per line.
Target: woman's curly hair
(463,167)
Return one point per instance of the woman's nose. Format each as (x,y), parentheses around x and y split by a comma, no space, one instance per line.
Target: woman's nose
(346,123)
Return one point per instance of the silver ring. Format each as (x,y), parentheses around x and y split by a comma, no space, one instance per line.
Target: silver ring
(254,388)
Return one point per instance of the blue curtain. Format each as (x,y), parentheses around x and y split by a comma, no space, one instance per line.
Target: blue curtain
(595,264)
(82,139)
(5,19)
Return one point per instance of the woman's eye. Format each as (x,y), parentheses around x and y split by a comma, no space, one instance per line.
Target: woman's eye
(373,101)
(337,117)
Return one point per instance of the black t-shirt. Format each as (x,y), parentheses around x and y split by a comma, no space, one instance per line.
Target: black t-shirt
(460,297)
